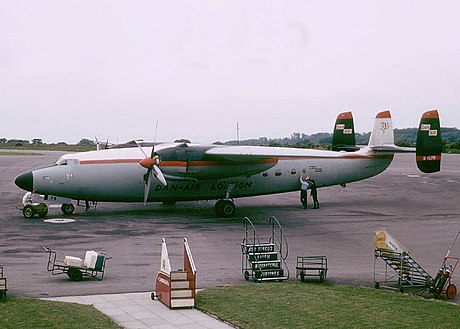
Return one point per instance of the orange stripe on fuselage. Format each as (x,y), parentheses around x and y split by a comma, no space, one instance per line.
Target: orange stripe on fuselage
(109,161)
(197,163)
(215,163)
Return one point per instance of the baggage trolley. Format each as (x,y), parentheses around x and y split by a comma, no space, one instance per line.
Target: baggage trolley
(311,266)
(75,270)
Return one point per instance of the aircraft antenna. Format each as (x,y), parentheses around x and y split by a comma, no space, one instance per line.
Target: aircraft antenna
(238,133)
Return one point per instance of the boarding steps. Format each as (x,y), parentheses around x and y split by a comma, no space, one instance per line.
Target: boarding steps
(400,267)
(176,289)
(264,261)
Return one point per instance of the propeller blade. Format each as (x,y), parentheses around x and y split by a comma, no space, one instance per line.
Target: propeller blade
(159,175)
(140,147)
(154,141)
(147,186)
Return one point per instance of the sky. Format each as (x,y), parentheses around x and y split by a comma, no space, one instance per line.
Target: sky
(112,69)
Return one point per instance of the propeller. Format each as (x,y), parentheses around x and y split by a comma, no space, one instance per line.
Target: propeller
(151,164)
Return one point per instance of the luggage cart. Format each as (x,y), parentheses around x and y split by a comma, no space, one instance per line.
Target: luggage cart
(76,271)
(308,266)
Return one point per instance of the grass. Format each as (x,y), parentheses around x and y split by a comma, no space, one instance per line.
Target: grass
(19,153)
(294,304)
(18,313)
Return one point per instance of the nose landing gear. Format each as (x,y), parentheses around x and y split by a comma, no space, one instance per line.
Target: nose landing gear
(225,208)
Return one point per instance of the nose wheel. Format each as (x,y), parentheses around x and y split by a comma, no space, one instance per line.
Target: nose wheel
(225,208)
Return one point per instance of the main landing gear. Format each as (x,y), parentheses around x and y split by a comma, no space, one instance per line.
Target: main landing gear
(67,208)
(225,208)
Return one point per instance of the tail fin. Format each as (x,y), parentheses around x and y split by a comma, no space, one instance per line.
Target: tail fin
(428,153)
(343,137)
(382,134)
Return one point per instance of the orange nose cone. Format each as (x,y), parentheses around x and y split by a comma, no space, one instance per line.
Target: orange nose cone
(147,163)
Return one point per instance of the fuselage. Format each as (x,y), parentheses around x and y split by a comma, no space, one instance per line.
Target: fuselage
(114,175)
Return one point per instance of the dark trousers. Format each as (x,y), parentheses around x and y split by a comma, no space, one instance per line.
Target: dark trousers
(304,197)
(314,195)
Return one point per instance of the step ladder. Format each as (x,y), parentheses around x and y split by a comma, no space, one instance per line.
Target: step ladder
(176,289)
(400,269)
(264,261)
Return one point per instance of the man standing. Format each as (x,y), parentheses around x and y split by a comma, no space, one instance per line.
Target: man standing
(303,191)
(313,193)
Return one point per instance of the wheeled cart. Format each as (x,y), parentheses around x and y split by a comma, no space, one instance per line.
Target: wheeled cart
(311,266)
(76,268)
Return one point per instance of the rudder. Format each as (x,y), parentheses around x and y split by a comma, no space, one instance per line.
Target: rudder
(428,149)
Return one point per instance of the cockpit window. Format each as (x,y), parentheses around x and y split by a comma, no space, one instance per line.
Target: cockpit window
(65,162)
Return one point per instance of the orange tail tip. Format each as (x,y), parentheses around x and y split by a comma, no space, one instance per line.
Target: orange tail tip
(345,115)
(383,115)
(432,114)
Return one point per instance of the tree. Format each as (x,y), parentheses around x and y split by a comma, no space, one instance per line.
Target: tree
(86,142)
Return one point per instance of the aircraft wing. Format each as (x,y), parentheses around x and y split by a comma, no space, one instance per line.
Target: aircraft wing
(247,153)
(393,148)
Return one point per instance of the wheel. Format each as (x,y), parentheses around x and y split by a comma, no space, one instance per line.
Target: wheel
(28,211)
(67,208)
(246,275)
(302,276)
(43,210)
(152,296)
(217,207)
(451,291)
(322,275)
(74,274)
(225,208)
(377,285)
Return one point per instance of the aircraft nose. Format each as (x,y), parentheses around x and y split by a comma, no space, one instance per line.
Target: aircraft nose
(25,181)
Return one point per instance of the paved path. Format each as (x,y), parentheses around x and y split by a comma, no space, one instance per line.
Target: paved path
(137,310)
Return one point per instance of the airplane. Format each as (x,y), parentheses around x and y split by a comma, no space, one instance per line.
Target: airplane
(171,172)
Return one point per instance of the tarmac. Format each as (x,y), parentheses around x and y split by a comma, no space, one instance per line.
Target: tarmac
(420,210)
(138,311)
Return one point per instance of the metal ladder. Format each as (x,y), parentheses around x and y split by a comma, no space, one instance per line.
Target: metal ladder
(264,261)
(408,272)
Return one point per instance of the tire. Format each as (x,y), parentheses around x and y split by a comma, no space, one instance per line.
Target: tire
(67,208)
(377,285)
(43,211)
(217,207)
(152,296)
(322,276)
(246,275)
(302,276)
(227,208)
(28,211)
(74,274)
(451,291)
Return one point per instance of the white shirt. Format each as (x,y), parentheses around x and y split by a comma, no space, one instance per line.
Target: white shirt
(27,198)
(304,185)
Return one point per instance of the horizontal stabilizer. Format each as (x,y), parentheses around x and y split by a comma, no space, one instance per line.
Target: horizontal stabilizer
(343,137)
(428,153)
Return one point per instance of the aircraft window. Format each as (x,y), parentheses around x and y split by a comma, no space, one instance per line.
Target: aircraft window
(304,170)
(293,171)
(265,174)
(62,163)
(278,173)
